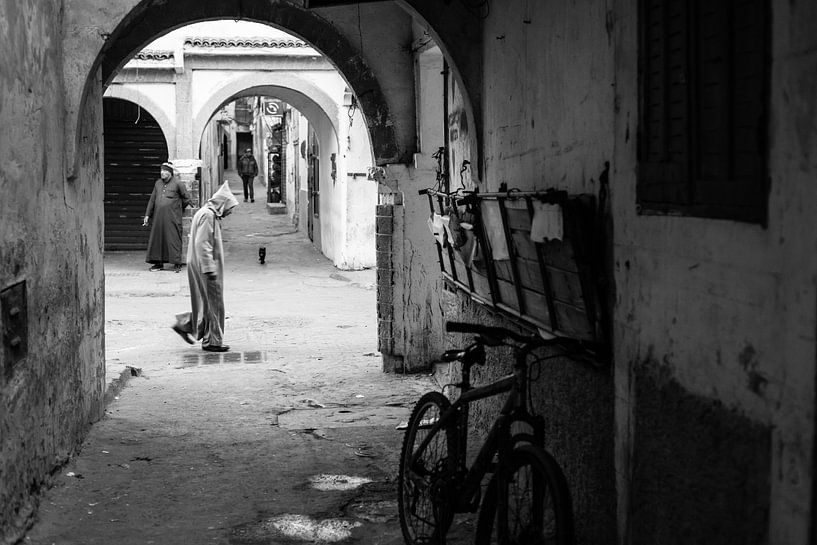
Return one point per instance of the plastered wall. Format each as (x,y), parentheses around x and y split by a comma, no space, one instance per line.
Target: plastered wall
(52,240)
(722,311)
(713,338)
(548,107)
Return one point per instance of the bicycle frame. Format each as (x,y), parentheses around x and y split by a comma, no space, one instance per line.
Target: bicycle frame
(499,440)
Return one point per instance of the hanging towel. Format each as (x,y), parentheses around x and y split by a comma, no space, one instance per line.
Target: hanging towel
(548,222)
(437,227)
(492,219)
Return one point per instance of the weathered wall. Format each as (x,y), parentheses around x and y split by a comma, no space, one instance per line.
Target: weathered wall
(51,239)
(353,165)
(724,313)
(548,117)
(372,58)
(713,319)
(415,280)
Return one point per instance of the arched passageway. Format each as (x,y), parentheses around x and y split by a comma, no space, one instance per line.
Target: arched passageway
(391,138)
(161,113)
(338,211)
(135,146)
(305,95)
(97,37)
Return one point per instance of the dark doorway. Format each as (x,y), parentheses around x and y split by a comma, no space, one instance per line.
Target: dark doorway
(313,186)
(243,140)
(225,152)
(135,146)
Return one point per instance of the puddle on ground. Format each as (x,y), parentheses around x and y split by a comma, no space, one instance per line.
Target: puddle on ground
(213,358)
(379,512)
(295,528)
(337,482)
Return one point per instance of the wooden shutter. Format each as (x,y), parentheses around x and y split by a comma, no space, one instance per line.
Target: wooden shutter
(135,146)
(730,55)
(702,133)
(664,130)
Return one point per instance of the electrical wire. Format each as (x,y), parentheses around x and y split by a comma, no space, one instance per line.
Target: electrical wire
(531,378)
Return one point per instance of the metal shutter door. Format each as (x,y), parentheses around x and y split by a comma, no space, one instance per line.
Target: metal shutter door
(135,146)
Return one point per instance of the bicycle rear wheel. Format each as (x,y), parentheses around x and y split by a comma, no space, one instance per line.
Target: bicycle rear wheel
(425,513)
(527,502)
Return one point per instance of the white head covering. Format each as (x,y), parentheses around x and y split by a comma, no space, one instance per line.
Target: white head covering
(222,200)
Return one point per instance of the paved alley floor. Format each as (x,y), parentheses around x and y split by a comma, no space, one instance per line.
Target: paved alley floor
(287,438)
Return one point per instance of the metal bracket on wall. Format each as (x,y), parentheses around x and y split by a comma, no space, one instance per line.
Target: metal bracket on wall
(313,4)
(14,312)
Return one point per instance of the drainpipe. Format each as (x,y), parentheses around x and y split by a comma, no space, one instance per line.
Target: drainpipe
(447,180)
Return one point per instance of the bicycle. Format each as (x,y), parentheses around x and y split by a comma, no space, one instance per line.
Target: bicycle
(527,501)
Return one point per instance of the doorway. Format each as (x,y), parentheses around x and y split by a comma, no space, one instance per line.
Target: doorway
(313,186)
(135,146)
(243,141)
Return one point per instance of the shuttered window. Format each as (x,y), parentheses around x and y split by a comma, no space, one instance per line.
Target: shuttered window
(703,80)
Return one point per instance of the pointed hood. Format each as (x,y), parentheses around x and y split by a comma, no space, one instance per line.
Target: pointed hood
(222,200)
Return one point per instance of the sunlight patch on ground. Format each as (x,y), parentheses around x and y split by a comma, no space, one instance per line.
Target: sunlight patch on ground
(305,528)
(337,482)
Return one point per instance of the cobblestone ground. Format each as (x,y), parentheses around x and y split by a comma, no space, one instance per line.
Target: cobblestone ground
(289,437)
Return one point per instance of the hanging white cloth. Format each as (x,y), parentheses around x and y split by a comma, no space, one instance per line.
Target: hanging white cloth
(547,223)
(436,225)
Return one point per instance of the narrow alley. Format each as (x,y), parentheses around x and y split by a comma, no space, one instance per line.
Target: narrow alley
(288,437)
(623,189)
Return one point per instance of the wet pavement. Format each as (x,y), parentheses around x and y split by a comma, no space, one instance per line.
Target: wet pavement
(288,438)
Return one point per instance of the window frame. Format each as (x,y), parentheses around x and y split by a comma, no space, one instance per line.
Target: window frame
(674,185)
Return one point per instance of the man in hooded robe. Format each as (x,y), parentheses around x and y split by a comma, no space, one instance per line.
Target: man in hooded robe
(205,272)
(167,202)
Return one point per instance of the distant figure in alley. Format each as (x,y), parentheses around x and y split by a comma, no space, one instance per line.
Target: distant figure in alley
(167,202)
(248,170)
(205,270)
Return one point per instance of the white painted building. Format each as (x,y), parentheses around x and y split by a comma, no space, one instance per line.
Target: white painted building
(185,82)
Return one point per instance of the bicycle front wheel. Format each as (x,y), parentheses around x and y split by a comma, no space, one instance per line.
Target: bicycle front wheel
(527,502)
(425,512)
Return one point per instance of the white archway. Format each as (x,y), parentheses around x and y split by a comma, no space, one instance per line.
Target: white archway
(301,93)
(166,120)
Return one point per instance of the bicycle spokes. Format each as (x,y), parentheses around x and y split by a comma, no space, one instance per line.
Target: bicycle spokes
(531,517)
(424,475)
(527,502)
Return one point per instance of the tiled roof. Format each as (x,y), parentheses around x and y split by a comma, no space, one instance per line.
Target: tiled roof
(153,55)
(244,42)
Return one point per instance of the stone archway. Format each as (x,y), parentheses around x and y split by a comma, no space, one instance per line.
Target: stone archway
(336,239)
(301,93)
(159,113)
(392,136)
(379,72)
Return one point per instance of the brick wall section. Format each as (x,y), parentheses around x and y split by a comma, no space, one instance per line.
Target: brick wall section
(384,228)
